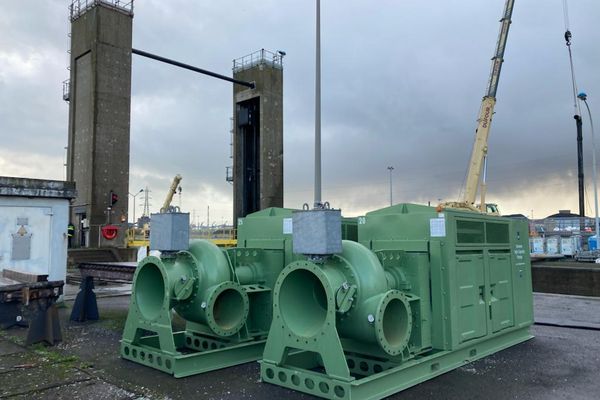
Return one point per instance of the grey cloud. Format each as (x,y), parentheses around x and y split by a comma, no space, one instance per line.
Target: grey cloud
(402,84)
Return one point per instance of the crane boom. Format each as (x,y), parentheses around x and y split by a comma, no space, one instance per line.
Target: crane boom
(486,112)
(172,190)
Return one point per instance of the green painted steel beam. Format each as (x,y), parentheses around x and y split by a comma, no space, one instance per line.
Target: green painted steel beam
(377,379)
(180,365)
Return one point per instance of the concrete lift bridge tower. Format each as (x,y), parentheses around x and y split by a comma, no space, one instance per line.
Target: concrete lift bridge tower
(258,133)
(99,96)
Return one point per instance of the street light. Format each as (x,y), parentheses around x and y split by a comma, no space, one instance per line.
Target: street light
(583,97)
(317,200)
(134,196)
(390,168)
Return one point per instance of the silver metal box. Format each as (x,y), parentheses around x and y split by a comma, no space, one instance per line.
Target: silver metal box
(317,232)
(170,231)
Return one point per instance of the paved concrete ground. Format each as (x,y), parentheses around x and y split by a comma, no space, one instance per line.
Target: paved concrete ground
(559,363)
(563,310)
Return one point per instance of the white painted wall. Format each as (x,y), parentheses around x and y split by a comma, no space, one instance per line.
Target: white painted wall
(47,223)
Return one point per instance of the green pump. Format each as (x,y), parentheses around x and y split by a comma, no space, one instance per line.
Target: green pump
(223,295)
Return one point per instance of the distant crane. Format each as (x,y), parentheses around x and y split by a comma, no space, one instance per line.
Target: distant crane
(166,207)
(476,175)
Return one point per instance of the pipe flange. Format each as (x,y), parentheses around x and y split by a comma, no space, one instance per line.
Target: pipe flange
(227,308)
(148,292)
(319,319)
(187,301)
(393,322)
(148,260)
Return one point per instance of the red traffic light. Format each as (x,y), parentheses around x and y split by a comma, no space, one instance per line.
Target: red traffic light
(113,198)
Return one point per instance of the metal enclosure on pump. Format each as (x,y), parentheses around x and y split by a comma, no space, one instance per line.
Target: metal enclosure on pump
(420,294)
(224,296)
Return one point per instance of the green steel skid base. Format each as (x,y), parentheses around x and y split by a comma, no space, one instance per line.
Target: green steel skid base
(194,353)
(373,379)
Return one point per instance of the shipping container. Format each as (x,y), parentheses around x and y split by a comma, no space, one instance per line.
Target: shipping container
(536,245)
(552,245)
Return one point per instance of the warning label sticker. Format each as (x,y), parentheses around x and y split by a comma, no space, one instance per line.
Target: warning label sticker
(437,227)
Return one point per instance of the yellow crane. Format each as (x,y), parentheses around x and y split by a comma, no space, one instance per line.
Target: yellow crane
(476,175)
(166,207)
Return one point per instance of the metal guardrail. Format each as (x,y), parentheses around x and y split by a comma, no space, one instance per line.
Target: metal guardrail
(587,256)
(137,237)
(79,7)
(221,236)
(562,226)
(261,56)
(216,232)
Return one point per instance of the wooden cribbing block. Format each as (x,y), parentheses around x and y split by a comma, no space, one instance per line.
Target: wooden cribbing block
(24,277)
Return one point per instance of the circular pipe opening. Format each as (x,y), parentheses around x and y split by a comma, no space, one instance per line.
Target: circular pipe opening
(149,291)
(228,309)
(303,302)
(395,325)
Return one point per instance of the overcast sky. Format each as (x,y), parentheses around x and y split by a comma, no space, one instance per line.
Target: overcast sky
(402,86)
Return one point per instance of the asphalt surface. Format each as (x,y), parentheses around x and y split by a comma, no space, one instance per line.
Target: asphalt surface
(567,311)
(559,363)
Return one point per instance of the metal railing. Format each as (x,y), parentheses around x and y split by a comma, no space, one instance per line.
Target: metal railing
(137,237)
(222,236)
(215,232)
(79,7)
(562,226)
(261,56)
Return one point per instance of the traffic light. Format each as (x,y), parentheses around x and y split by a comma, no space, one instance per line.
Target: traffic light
(113,198)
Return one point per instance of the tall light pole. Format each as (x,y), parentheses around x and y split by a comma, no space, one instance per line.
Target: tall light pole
(583,97)
(317,200)
(390,168)
(134,196)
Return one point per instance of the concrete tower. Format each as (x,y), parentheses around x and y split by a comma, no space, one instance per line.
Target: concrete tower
(257,133)
(99,98)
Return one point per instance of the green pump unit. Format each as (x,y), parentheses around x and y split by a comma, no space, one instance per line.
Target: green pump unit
(422,292)
(223,295)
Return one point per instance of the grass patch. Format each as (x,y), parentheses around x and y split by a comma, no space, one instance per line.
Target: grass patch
(64,362)
(52,356)
(12,338)
(39,354)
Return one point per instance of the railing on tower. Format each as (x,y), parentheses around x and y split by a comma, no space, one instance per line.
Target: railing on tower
(78,7)
(261,56)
